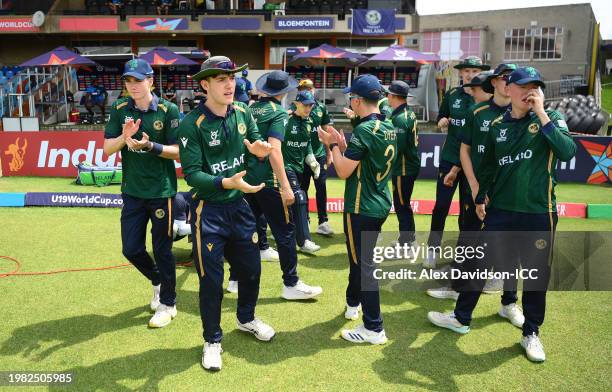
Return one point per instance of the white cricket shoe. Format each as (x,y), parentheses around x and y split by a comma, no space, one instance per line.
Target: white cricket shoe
(163,316)
(352,312)
(232,286)
(301,291)
(211,356)
(269,255)
(155,300)
(310,247)
(360,334)
(533,348)
(443,293)
(261,330)
(513,313)
(324,229)
(447,320)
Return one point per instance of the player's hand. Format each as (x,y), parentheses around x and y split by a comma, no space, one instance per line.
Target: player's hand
(341,140)
(287,195)
(450,178)
(130,128)
(349,113)
(237,182)
(481,211)
(535,100)
(325,137)
(137,145)
(259,148)
(443,124)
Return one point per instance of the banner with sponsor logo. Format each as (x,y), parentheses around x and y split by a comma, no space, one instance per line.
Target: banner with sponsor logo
(158,24)
(233,23)
(61,199)
(303,23)
(373,22)
(425,207)
(56,153)
(20,25)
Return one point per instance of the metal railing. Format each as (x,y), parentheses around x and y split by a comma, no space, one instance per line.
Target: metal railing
(558,89)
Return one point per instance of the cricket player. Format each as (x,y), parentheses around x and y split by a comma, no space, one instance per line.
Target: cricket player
(407,165)
(320,118)
(215,140)
(277,196)
(452,118)
(517,174)
(143,127)
(366,164)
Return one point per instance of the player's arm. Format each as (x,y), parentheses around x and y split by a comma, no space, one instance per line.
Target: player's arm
(487,174)
(557,135)
(345,164)
(444,112)
(170,149)
(465,137)
(114,135)
(276,135)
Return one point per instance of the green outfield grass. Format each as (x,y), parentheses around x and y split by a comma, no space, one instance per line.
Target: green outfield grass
(93,324)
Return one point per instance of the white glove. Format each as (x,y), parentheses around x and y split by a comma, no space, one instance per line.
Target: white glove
(314,165)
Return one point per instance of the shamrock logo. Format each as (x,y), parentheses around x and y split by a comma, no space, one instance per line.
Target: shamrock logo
(532,72)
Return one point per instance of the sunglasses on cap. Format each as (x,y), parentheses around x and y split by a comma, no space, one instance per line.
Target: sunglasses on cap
(229,65)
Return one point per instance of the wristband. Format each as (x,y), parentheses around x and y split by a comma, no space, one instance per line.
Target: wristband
(156,148)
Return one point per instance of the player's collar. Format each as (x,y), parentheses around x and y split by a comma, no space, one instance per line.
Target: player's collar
(399,109)
(269,99)
(210,115)
(494,105)
(373,116)
(508,115)
(152,105)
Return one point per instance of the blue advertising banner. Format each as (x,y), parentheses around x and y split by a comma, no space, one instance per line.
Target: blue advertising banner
(592,163)
(59,199)
(373,22)
(303,23)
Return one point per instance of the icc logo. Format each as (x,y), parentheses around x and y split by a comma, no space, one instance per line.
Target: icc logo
(18,154)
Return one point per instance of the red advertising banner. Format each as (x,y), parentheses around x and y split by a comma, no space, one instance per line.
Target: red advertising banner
(425,207)
(88,24)
(20,25)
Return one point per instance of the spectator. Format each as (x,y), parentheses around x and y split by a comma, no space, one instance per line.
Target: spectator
(240,93)
(164,6)
(249,85)
(170,92)
(95,95)
(115,6)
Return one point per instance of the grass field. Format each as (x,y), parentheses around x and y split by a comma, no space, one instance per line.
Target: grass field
(93,324)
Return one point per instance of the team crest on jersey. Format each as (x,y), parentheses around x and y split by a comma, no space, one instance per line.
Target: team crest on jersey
(214,135)
(158,125)
(319,113)
(533,128)
(540,244)
(485,126)
(502,135)
(174,123)
(457,103)
(242,128)
(160,213)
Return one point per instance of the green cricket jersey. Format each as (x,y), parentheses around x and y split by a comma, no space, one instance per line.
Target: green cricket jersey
(474,134)
(456,106)
(384,108)
(374,145)
(146,175)
(271,120)
(319,116)
(212,148)
(407,162)
(518,169)
(296,144)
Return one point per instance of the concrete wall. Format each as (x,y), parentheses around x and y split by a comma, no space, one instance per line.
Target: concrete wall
(576,19)
(241,49)
(16,49)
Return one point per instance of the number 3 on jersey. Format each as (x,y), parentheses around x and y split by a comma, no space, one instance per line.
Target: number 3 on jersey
(390,154)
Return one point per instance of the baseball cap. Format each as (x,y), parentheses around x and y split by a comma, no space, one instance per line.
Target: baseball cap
(306,83)
(499,70)
(399,88)
(478,80)
(137,68)
(305,97)
(240,93)
(525,75)
(366,86)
